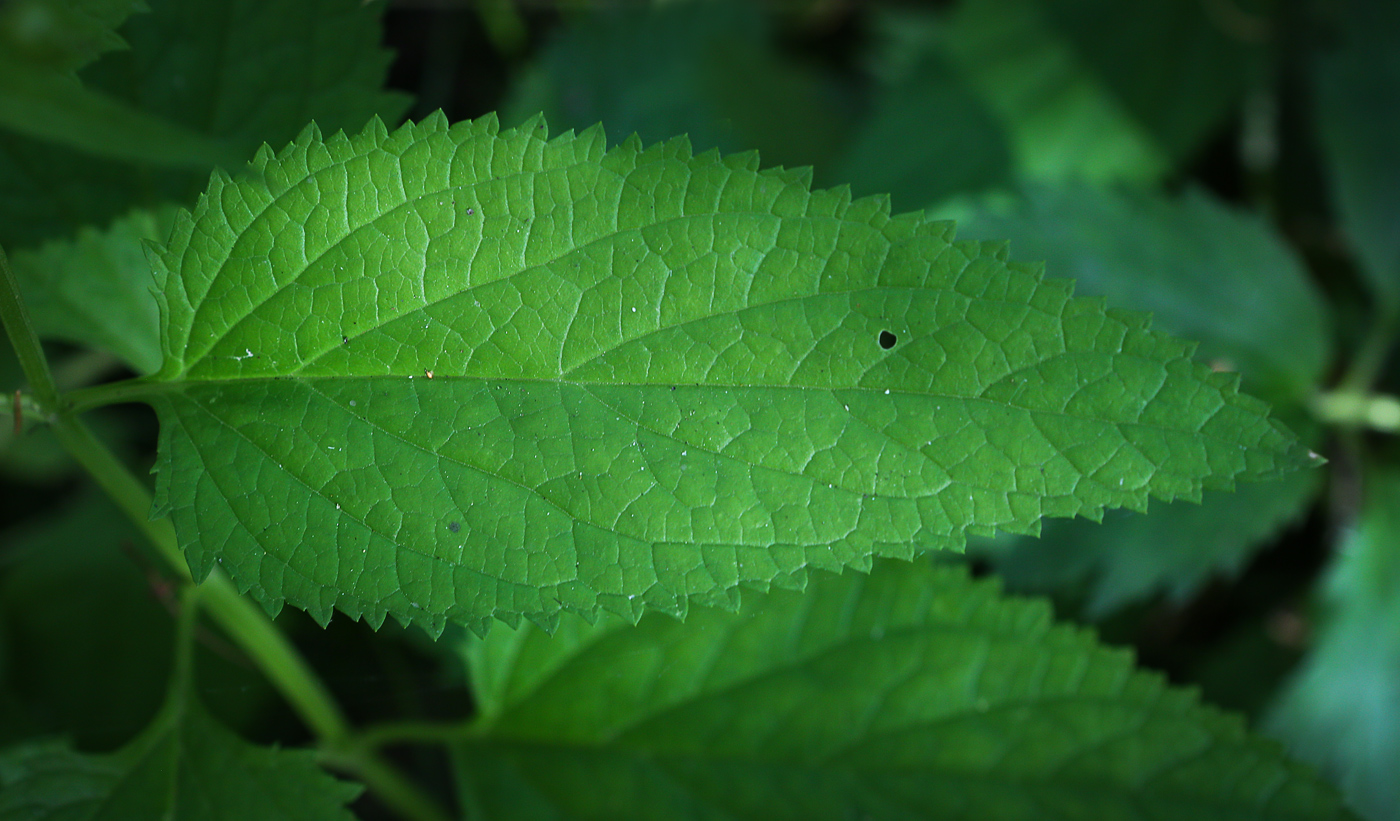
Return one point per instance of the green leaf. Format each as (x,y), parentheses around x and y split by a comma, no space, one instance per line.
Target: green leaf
(55,107)
(63,35)
(451,373)
(1179,69)
(1342,709)
(242,72)
(1063,122)
(917,124)
(1358,134)
(97,289)
(88,645)
(186,766)
(911,693)
(1173,549)
(708,70)
(1206,272)
(256,71)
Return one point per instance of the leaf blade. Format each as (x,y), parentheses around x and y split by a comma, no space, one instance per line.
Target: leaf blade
(913,692)
(671,364)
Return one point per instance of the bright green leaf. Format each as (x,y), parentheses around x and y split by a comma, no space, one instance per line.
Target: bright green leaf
(911,693)
(1342,709)
(450,373)
(1205,271)
(1359,129)
(1062,120)
(186,766)
(97,289)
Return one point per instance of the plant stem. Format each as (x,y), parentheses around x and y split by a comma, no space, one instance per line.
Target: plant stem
(416,732)
(25,340)
(110,393)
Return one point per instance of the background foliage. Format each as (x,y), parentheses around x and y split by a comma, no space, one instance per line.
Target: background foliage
(1228,166)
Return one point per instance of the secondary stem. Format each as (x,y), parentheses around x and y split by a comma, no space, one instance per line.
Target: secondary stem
(25,340)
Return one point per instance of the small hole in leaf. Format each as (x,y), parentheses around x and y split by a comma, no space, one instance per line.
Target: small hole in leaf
(887,340)
(454,526)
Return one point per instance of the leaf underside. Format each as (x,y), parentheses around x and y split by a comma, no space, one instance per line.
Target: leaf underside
(447,373)
(914,692)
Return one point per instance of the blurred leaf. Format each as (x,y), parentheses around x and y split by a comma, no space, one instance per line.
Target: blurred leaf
(911,693)
(1358,119)
(97,289)
(546,376)
(256,71)
(58,108)
(185,766)
(926,139)
(62,35)
(1206,272)
(1342,709)
(89,645)
(708,70)
(242,72)
(1172,549)
(1062,121)
(1178,68)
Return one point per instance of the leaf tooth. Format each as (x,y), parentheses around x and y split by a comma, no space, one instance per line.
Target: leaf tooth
(309,135)
(374,617)
(264,155)
(534,127)
(548,622)
(437,122)
(509,617)
(376,131)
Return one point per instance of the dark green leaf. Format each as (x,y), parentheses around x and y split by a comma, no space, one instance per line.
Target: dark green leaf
(88,644)
(1356,84)
(1342,710)
(242,72)
(911,693)
(926,139)
(1179,69)
(186,766)
(1062,120)
(707,70)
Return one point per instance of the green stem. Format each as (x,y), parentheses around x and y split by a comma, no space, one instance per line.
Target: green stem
(416,732)
(1355,409)
(110,393)
(25,340)
(1366,364)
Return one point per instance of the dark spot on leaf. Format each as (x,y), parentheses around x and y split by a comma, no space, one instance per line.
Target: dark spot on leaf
(454,526)
(887,340)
